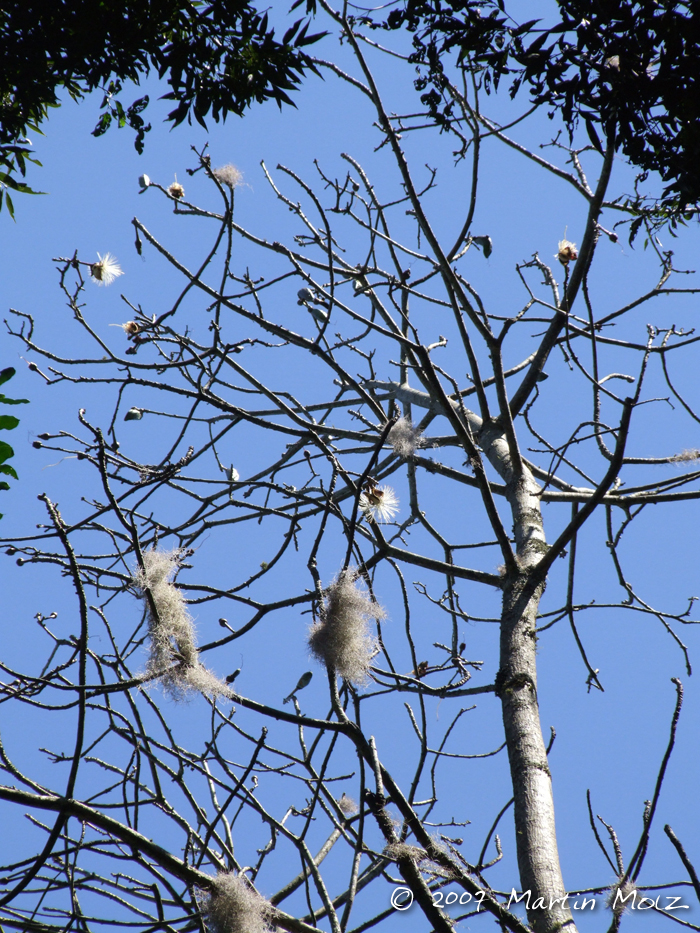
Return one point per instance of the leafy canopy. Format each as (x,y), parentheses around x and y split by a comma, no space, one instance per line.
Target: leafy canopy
(628,69)
(8,423)
(218,58)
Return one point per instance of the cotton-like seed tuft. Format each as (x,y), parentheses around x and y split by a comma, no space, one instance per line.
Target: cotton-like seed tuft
(405,438)
(228,175)
(567,252)
(130,328)
(105,270)
(378,503)
(347,805)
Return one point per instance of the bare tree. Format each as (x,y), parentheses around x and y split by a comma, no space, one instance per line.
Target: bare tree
(385,463)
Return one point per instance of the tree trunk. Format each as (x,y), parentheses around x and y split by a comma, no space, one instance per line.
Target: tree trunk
(516,683)
(538,857)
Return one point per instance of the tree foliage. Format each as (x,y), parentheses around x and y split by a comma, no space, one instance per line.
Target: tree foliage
(8,423)
(629,70)
(218,59)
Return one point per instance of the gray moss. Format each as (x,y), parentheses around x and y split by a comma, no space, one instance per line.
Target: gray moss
(234,906)
(342,639)
(173,656)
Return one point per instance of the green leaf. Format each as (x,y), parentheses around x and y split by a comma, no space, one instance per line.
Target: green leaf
(526,27)
(5,452)
(7,374)
(634,229)
(592,135)
(20,186)
(8,470)
(8,422)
